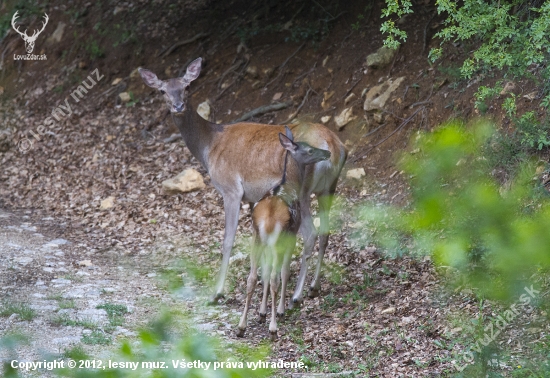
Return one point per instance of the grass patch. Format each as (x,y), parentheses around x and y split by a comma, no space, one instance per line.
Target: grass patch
(21,309)
(115,314)
(76,352)
(65,320)
(96,337)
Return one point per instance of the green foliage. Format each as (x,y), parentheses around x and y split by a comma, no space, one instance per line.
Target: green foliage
(395,35)
(532,133)
(94,50)
(484,94)
(157,343)
(26,9)
(494,237)
(490,238)
(21,309)
(96,337)
(512,34)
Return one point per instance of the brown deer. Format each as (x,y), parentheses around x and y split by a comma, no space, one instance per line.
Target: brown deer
(244,161)
(276,220)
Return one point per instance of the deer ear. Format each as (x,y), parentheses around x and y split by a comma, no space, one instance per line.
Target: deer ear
(289,133)
(150,78)
(193,70)
(287,143)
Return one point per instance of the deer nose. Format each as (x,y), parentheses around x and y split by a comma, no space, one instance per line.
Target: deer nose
(178,107)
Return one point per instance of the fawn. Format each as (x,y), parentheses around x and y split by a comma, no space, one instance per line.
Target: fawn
(276,220)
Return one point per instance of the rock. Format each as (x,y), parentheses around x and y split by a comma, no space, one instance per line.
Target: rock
(238,256)
(327,95)
(59,242)
(383,56)
(85,263)
(325,119)
(378,117)
(377,96)
(124,97)
(186,181)
(23,260)
(508,87)
(344,118)
(92,314)
(204,110)
(116,81)
(348,99)
(252,71)
(531,96)
(107,203)
(317,222)
(57,35)
(277,96)
(355,173)
(389,310)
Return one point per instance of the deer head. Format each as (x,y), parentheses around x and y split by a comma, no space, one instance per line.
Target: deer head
(29,41)
(173,90)
(302,152)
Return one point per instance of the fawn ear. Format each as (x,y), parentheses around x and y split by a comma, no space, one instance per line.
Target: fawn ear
(150,78)
(193,70)
(287,143)
(289,133)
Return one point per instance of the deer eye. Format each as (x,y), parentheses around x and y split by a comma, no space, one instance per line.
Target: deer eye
(310,151)
(161,91)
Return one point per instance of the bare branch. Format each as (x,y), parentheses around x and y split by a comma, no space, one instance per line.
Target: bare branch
(164,53)
(263,109)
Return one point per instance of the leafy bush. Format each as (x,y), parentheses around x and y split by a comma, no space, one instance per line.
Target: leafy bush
(495,237)
(511,34)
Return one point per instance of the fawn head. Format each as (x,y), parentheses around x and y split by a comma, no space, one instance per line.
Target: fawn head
(174,90)
(302,152)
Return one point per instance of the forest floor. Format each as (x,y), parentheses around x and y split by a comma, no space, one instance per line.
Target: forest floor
(62,255)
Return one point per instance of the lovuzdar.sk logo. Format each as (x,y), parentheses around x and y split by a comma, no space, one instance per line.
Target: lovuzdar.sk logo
(29,40)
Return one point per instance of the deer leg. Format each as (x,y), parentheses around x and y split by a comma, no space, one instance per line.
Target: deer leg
(308,232)
(232,205)
(325,202)
(274,283)
(285,274)
(250,286)
(266,273)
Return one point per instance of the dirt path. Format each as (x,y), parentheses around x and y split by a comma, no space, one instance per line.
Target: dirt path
(374,315)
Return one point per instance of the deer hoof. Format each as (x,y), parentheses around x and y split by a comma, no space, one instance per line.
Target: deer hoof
(273,335)
(280,315)
(313,292)
(240,332)
(263,317)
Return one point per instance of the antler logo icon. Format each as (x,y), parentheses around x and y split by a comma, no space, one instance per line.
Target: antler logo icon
(29,41)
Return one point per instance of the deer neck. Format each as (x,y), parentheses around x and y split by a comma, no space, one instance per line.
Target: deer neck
(197,133)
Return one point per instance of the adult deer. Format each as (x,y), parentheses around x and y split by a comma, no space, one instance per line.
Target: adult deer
(275,220)
(244,161)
